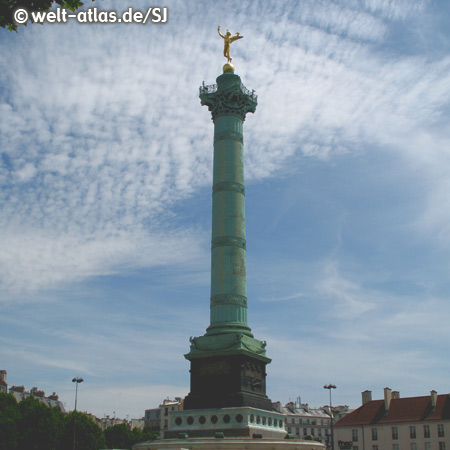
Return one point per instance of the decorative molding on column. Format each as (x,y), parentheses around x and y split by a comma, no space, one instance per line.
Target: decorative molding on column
(229,186)
(230,241)
(229,134)
(229,299)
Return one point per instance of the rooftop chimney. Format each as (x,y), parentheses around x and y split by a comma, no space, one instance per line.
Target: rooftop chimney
(54,396)
(395,395)
(433,399)
(366,397)
(18,389)
(387,398)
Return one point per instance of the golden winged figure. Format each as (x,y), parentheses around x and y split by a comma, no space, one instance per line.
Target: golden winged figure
(228,39)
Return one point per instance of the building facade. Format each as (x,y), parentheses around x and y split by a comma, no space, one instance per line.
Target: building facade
(394,423)
(158,418)
(20,394)
(3,383)
(303,422)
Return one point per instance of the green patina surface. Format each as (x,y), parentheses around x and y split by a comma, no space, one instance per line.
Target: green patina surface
(229,102)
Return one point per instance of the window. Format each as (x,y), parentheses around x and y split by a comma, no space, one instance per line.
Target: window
(394,433)
(427,446)
(319,431)
(305,432)
(355,436)
(426,432)
(440,428)
(412,432)
(413,446)
(441,445)
(374,434)
(297,431)
(312,431)
(355,447)
(289,430)
(394,446)
(292,420)
(374,447)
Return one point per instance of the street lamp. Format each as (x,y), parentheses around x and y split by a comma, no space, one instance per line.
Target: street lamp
(329,387)
(77,381)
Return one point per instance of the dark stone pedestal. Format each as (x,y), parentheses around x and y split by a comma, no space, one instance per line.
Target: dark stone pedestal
(228,381)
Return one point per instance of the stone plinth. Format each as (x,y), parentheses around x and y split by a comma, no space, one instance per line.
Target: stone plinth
(231,422)
(229,444)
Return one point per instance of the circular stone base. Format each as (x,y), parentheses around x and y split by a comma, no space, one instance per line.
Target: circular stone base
(228,444)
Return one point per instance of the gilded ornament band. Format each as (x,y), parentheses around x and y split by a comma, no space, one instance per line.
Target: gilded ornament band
(232,241)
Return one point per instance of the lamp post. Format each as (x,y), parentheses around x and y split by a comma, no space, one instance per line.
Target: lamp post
(329,387)
(75,380)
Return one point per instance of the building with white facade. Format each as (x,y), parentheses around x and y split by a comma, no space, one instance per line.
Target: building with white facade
(20,394)
(158,418)
(303,422)
(152,418)
(394,423)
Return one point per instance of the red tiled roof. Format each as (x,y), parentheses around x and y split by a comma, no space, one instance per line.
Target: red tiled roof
(409,409)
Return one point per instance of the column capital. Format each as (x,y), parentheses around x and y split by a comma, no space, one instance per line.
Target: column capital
(229,97)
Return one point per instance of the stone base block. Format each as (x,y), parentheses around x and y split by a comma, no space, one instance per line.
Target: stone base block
(228,444)
(241,422)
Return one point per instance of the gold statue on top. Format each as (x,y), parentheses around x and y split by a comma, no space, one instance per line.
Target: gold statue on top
(228,39)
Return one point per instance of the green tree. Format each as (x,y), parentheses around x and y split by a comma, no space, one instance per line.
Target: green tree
(9,422)
(8,7)
(118,436)
(148,434)
(39,425)
(136,436)
(88,435)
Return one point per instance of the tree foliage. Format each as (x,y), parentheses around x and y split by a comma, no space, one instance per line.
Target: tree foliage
(9,420)
(88,435)
(148,434)
(39,425)
(8,7)
(32,425)
(118,436)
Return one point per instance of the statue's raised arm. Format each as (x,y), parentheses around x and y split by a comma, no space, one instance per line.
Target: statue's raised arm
(236,37)
(228,39)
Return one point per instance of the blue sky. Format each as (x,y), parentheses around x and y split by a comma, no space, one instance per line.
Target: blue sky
(106,174)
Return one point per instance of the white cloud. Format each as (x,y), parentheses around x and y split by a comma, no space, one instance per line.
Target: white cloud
(88,147)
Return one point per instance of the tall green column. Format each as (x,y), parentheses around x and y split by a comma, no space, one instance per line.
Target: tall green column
(228,104)
(228,363)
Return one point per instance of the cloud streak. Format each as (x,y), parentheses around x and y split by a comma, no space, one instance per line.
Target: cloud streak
(105,176)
